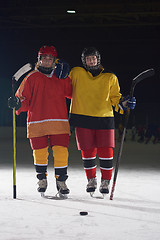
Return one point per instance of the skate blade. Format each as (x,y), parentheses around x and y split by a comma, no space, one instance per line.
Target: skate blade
(61,196)
(92,194)
(56,197)
(104,195)
(42,195)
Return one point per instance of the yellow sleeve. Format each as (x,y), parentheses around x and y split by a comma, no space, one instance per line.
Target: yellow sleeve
(73,74)
(115,94)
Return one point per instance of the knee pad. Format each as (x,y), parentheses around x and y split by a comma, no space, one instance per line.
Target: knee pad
(60,155)
(40,156)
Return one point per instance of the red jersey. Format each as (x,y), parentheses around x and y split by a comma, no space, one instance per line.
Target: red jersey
(44,98)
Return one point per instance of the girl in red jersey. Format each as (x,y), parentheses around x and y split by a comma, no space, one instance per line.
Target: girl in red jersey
(43,94)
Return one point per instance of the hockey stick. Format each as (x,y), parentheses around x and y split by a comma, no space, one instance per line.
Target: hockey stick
(137,79)
(16,77)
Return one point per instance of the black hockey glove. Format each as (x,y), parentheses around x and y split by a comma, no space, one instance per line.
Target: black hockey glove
(14,102)
(62,69)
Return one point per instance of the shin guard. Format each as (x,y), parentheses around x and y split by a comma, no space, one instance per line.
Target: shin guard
(105,155)
(41,162)
(89,162)
(60,155)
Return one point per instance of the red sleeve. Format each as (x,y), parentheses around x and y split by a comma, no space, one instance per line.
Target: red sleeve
(24,93)
(68,87)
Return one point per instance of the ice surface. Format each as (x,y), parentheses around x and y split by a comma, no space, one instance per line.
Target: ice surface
(134,212)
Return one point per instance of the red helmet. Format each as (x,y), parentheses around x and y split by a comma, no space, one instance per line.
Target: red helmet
(47,50)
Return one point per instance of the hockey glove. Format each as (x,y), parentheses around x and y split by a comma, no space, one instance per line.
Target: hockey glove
(131,102)
(127,102)
(14,102)
(62,69)
(123,103)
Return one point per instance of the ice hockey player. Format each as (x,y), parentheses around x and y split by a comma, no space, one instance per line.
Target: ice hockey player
(42,94)
(95,94)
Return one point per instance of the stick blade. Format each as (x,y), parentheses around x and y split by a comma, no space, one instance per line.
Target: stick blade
(27,67)
(145,74)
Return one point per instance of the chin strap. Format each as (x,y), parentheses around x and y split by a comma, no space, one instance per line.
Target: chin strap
(45,70)
(92,68)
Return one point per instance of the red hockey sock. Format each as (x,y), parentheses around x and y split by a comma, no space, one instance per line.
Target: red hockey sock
(89,162)
(106,162)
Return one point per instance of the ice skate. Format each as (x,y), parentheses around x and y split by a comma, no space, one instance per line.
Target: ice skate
(104,187)
(62,187)
(42,186)
(91,186)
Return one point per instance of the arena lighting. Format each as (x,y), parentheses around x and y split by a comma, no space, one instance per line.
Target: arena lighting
(71,11)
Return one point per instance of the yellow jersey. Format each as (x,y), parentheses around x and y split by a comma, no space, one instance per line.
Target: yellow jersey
(93,97)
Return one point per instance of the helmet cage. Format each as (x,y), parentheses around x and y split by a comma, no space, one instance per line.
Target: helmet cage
(47,51)
(91,52)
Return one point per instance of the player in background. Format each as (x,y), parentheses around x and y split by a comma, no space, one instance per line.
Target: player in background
(95,94)
(42,94)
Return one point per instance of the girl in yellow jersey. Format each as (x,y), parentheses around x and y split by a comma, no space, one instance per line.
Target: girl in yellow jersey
(95,93)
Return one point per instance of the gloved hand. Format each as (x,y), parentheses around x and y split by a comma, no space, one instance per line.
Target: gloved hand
(14,102)
(127,102)
(131,102)
(62,69)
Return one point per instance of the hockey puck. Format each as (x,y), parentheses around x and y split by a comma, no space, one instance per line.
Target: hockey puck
(83,213)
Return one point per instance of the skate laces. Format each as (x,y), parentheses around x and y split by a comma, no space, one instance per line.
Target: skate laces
(104,184)
(92,183)
(62,185)
(42,183)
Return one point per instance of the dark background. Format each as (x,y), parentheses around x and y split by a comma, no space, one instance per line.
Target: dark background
(127,34)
